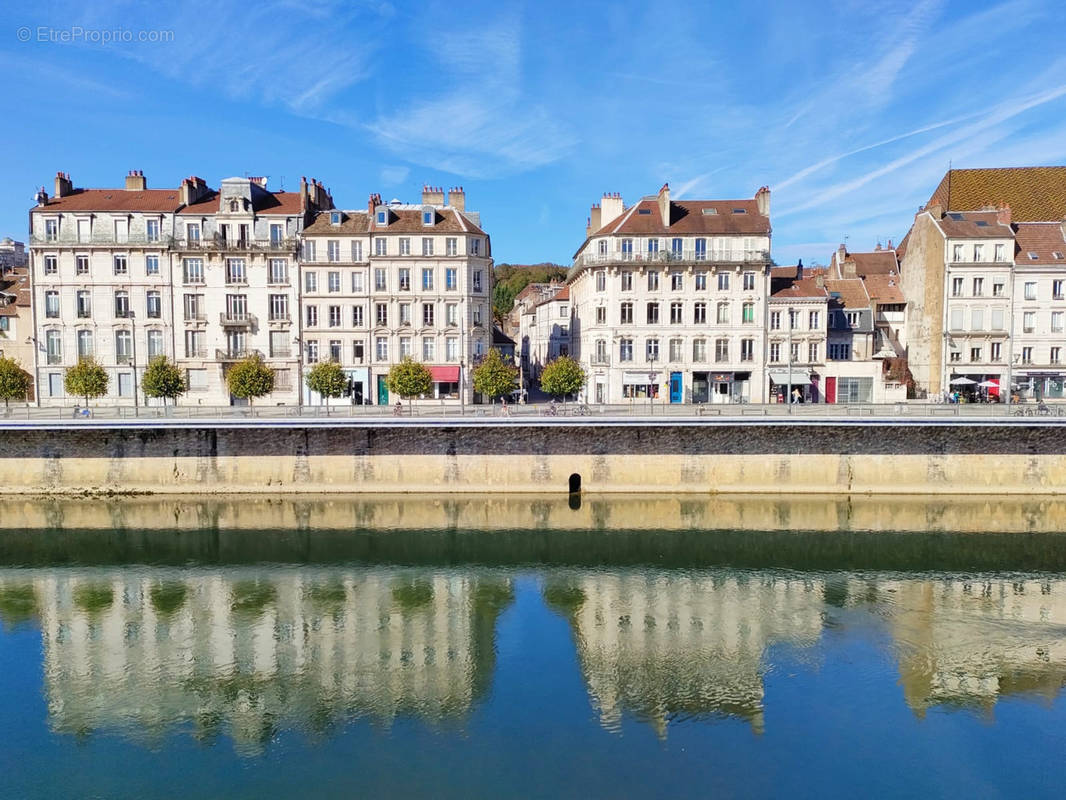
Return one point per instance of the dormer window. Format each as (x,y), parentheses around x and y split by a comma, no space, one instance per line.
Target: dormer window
(234,206)
(335,218)
(740,211)
(1033,256)
(427,216)
(381,216)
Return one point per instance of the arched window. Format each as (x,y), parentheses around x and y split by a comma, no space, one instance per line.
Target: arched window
(234,205)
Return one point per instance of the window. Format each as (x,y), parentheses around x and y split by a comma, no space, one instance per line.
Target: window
(357,316)
(747,349)
(975,353)
(749,281)
(155,343)
(955,356)
(123,347)
(195,344)
(312,351)
(235,270)
(84,304)
(853,318)
(812,352)
(192,232)
(428,313)
(427,216)
(451,349)
(996,351)
(627,249)
(652,318)
(748,313)
(277,230)
(51,265)
(1001,253)
(676,311)
(451,314)
(379,280)
(601,315)
(601,247)
(653,280)
(310,281)
(85,344)
(625,349)
(956,287)
(677,281)
(1056,355)
(475,313)
(977,319)
(334,316)
(311,316)
(651,350)
(792,319)
(121,267)
(81,265)
(699,313)
(380,247)
(1029,321)
(279,307)
(721,350)
(775,320)
(333,281)
(279,270)
(335,350)
(427,246)
(978,253)
(405,246)
(699,350)
(1027,355)
(997,289)
(192,270)
(154,305)
(405,279)
(626,280)
(723,313)
(405,347)
(475,247)
(854,390)
(427,280)
(675,248)
(122,304)
(477,280)
(626,314)
(723,281)
(333,250)
(794,352)
(601,281)
(429,348)
(357,250)
(1056,321)
(309,250)
(701,249)
(956,319)
(381,313)
(676,347)
(997,319)
(151,230)
(839,351)
(956,253)
(1056,289)
(381,348)
(978,287)
(775,353)
(564,311)
(451,246)
(357,282)
(1030,290)
(701,281)
(51,230)
(151,265)
(51,305)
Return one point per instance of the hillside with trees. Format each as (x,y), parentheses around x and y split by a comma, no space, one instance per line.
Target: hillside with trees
(510,279)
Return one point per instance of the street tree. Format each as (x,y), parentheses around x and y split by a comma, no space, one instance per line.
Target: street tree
(163,379)
(495,377)
(562,377)
(86,379)
(250,378)
(328,379)
(15,382)
(409,379)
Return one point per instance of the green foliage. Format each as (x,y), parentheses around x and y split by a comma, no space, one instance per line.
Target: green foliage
(495,377)
(87,379)
(252,596)
(509,280)
(409,379)
(564,597)
(93,597)
(327,378)
(167,597)
(163,379)
(18,604)
(561,377)
(250,378)
(15,382)
(413,594)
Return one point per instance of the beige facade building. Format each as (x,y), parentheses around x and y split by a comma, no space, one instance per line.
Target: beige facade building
(16,306)
(545,329)
(670,297)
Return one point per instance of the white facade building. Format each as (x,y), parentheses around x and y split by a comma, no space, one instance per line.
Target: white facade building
(669,299)
(545,330)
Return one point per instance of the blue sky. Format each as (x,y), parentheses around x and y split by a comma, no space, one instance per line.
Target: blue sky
(850,110)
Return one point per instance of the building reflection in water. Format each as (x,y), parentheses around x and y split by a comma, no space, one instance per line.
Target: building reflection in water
(249,652)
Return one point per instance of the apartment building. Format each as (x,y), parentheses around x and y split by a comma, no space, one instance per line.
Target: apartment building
(669,299)
(544,329)
(980,275)
(796,340)
(16,311)
(398,280)
(127,274)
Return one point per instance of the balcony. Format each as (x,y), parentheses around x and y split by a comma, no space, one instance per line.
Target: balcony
(54,359)
(123,358)
(72,240)
(709,257)
(237,319)
(280,318)
(217,244)
(281,352)
(196,353)
(235,355)
(601,360)
(195,316)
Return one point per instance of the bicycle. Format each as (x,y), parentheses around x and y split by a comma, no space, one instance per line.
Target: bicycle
(581,410)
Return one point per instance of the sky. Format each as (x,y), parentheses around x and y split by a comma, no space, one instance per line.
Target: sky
(849,110)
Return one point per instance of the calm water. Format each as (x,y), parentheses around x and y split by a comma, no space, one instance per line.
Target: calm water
(154,649)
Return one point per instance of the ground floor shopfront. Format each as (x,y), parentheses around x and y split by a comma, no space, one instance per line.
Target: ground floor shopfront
(1034,385)
(677,387)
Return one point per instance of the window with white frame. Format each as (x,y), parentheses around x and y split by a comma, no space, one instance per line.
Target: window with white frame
(699,350)
(451,246)
(333,281)
(625,349)
(151,265)
(310,281)
(427,246)
(333,250)
(51,304)
(357,282)
(381,314)
(279,270)
(723,281)
(235,271)
(380,246)
(357,250)
(81,265)
(121,266)
(381,348)
(153,305)
(723,313)
(311,316)
(357,316)
(676,350)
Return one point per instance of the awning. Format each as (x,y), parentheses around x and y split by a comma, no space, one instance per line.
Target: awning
(444,374)
(783,376)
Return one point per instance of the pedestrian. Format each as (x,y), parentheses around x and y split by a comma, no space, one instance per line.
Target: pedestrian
(796,396)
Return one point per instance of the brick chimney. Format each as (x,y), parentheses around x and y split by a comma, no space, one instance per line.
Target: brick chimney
(1003,214)
(611,207)
(135,181)
(762,201)
(63,184)
(192,190)
(663,199)
(432,196)
(594,223)
(371,205)
(819,280)
(457,198)
(842,255)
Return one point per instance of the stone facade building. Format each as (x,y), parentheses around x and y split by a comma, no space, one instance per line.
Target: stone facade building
(16,308)
(670,298)
(545,329)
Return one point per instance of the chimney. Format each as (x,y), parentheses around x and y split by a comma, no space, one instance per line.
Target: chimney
(259,180)
(848,269)
(456,198)
(935,210)
(304,194)
(799,269)
(324,198)
(192,190)
(819,280)
(371,204)
(663,200)
(41,197)
(432,196)
(63,184)
(611,207)
(877,248)
(889,245)
(1003,214)
(762,201)
(135,181)
(594,223)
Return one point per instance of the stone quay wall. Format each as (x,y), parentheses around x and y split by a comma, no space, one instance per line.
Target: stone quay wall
(810,457)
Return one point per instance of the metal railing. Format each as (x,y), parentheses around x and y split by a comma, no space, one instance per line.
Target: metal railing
(235,355)
(708,258)
(237,318)
(217,243)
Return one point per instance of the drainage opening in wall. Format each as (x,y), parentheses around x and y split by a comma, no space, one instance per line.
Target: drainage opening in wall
(575,483)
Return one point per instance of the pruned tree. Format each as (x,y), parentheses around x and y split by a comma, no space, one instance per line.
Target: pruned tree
(409,379)
(562,377)
(15,382)
(495,377)
(250,378)
(163,379)
(328,379)
(86,379)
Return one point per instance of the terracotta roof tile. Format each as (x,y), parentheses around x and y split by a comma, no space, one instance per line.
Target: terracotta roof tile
(803,288)
(409,220)
(352,223)
(1034,194)
(161,200)
(851,292)
(974,225)
(711,217)
(1043,239)
(876,262)
(884,288)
